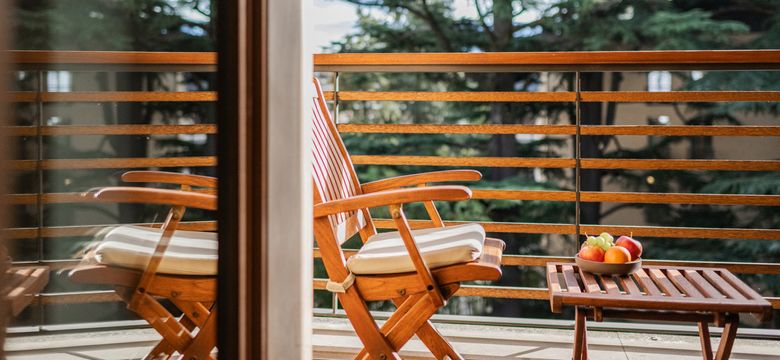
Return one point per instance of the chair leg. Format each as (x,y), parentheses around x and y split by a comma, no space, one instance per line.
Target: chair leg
(704,338)
(195,315)
(433,340)
(204,341)
(164,347)
(728,337)
(406,304)
(405,322)
(580,335)
(173,332)
(411,322)
(436,343)
(365,327)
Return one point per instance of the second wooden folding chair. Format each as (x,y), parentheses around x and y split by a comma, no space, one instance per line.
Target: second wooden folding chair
(147,264)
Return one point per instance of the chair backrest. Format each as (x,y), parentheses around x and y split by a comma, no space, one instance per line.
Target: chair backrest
(333,173)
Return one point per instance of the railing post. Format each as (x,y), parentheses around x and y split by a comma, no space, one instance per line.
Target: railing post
(39,156)
(577,158)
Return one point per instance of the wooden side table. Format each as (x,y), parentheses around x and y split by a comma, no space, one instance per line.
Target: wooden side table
(687,294)
(18,285)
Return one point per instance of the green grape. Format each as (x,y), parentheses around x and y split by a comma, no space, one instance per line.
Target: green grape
(600,241)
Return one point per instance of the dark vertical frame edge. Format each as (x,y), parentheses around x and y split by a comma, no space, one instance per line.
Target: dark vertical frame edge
(242,122)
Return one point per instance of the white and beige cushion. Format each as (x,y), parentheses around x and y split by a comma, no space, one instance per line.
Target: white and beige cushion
(385,253)
(189,252)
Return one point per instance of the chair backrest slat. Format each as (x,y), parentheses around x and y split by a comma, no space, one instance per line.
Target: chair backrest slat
(333,173)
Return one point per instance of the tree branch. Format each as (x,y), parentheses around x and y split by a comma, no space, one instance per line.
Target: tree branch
(425,15)
(485,26)
(430,18)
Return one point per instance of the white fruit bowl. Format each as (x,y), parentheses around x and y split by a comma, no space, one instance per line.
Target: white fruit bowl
(601,268)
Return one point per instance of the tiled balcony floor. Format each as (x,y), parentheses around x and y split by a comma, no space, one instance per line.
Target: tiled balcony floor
(333,339)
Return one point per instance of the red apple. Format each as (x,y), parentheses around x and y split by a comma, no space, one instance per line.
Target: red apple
(634,247)
(592,253)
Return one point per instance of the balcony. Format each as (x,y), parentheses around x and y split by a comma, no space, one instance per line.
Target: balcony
(59,129)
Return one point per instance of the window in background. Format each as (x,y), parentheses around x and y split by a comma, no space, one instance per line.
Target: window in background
(59,81)
(659,81)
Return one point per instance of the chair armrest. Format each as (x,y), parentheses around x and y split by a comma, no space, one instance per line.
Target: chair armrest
(393,197)
(422,178)
(166,177)
(129,194)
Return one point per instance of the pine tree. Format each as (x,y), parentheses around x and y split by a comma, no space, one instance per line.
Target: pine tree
(573,25)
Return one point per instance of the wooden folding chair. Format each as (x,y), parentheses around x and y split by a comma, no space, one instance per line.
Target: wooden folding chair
(147,264)
(419,270)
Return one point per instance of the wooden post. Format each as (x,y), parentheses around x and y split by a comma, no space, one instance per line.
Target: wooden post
(263,72)
(4,152)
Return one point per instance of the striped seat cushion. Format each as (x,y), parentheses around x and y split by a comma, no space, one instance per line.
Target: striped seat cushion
(385,253)
(189,252)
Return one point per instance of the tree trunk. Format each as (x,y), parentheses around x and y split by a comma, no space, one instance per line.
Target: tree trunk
(590,180)
(130,146)
(500,113)
(502,145)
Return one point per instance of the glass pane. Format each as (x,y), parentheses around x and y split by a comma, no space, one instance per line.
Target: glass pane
(103,88)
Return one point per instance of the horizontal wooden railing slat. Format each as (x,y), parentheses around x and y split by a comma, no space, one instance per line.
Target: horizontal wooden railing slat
(551,61)
(681,130)
(542,260)
(62,130)
(462,161)
(559,163)
(679,164)
(114,96)
(63,198)
(112,57)
(90,230)
(644,130)
(560,96)
(569,229)
(628,197)
(114,163)
(460,96)
(507,292)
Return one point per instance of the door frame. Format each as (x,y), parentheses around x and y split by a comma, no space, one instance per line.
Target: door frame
(264,219)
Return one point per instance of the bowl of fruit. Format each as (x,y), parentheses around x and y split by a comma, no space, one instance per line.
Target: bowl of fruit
(602,255)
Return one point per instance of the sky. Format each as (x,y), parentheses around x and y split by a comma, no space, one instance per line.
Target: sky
(335,18)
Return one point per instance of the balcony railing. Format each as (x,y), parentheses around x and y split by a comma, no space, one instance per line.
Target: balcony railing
(38,133)
(338,65)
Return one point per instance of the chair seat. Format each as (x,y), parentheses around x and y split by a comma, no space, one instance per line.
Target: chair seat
(385,253)
(189,252)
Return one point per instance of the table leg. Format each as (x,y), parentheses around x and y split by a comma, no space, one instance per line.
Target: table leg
(704,338)
(580,335)
(728,336)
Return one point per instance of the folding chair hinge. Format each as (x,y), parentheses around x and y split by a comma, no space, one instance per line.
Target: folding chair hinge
(336,287)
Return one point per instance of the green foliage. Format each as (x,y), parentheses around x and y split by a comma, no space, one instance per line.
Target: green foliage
(690,30)
(143,25)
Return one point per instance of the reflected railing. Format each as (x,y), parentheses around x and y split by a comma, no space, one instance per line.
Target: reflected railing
(82,118)
(38,163)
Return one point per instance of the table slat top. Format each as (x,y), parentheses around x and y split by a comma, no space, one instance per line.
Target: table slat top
(20,284)
(654,288)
